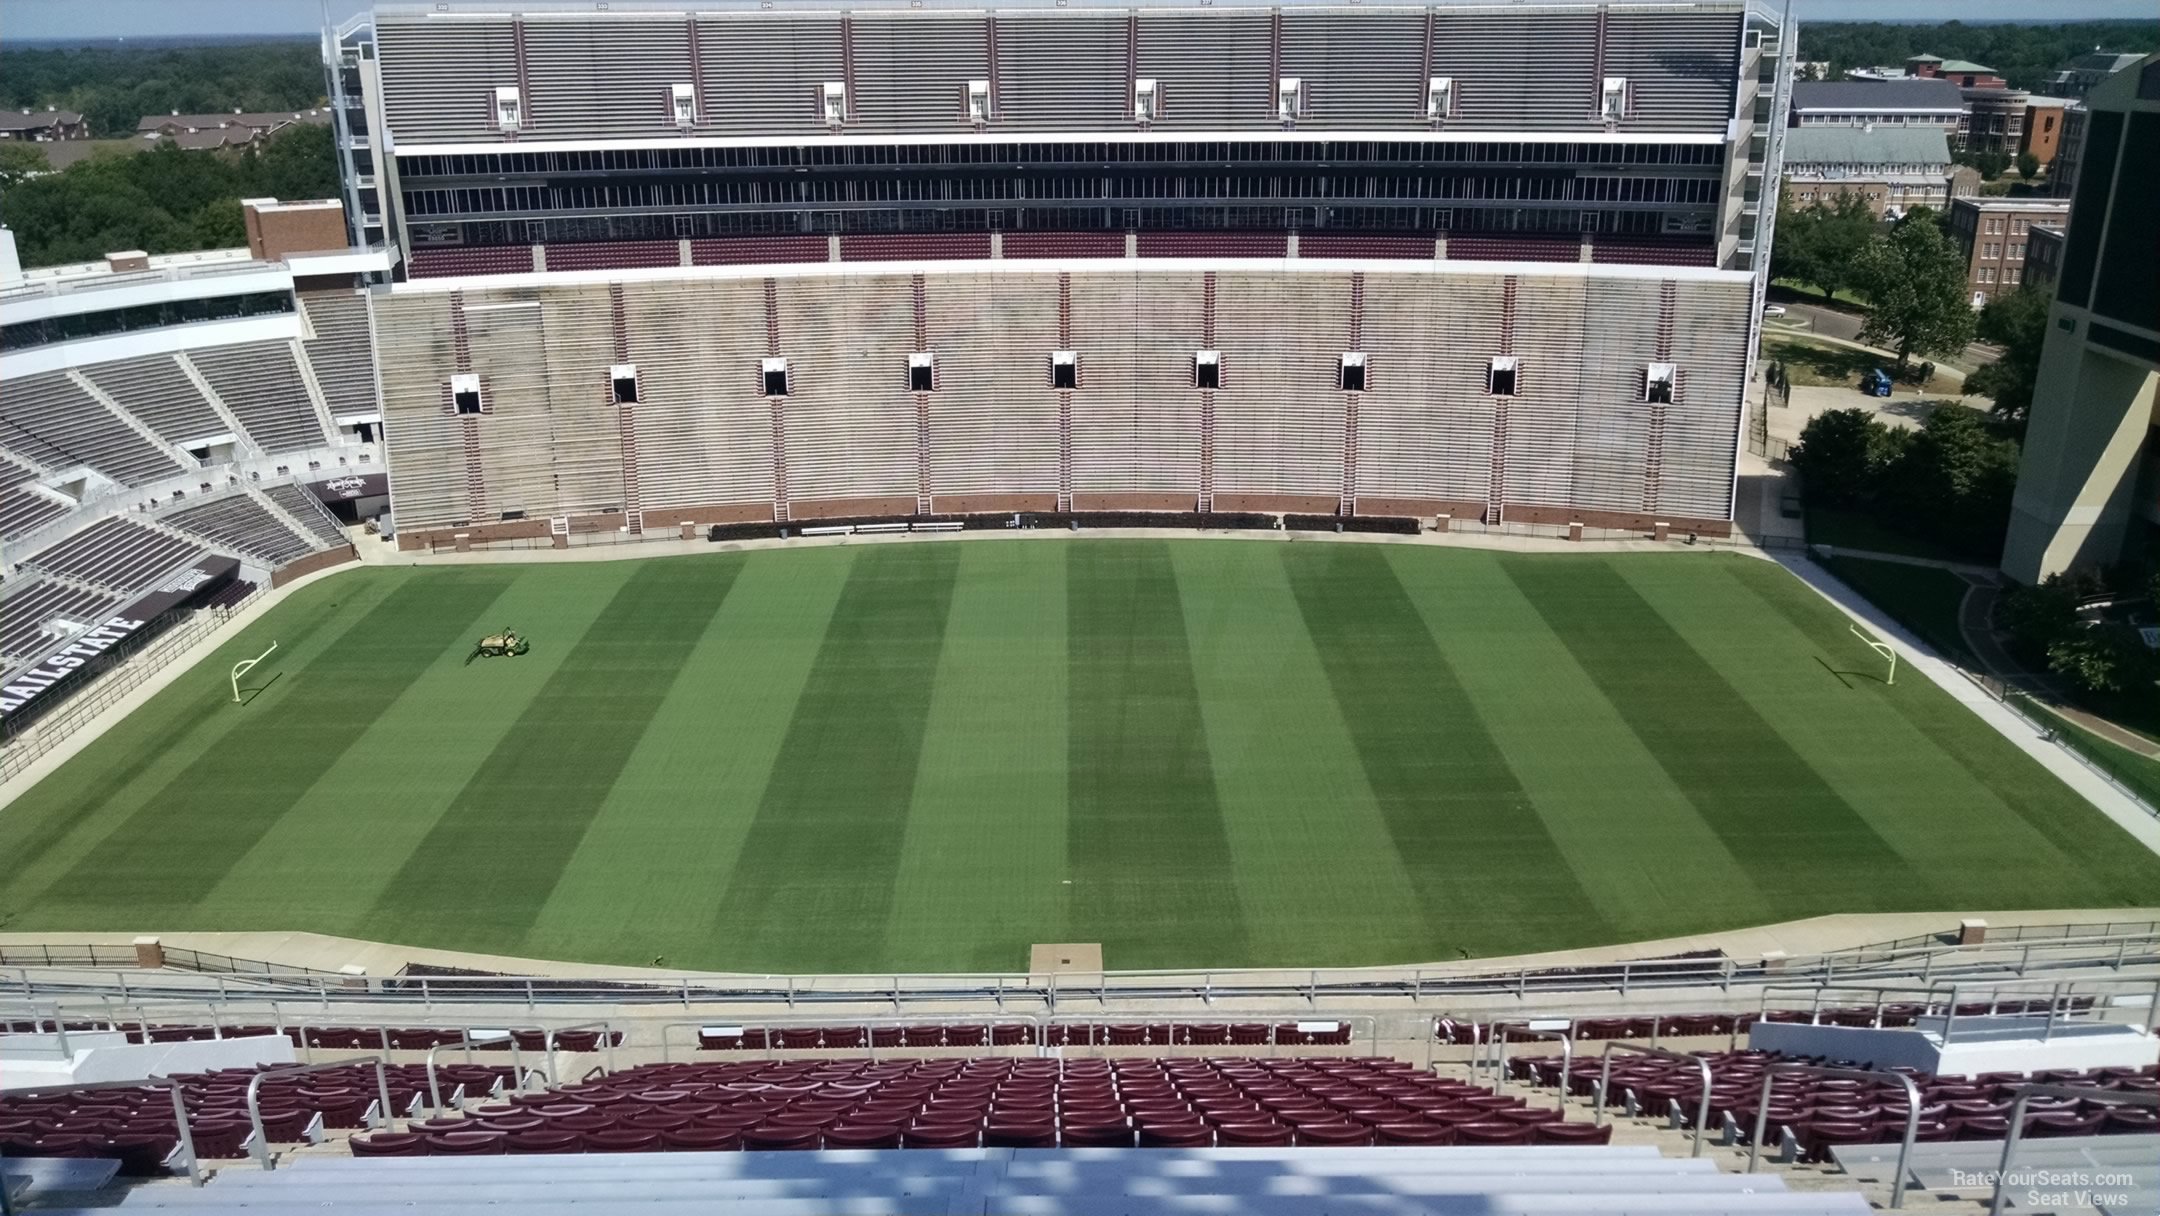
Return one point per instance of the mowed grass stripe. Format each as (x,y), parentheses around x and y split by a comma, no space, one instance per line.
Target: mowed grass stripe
(812,887)
(1318,877)
(46,831)
(1937,768)
(234,792)
(1803,845)
(1637,846)
(1447,793)
(486,868)
(1152,878)
(982,865)
(347,836)
(654,862)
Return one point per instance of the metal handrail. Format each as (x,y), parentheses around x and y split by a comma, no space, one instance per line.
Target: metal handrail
(1417,983)
(465,1040)
(1702,1109)
(1912,1112)
(179,1101)
(2084,1093)
(1567,1055)
(1934,1005)
(254,1098)
(547,1044)
(866,1025)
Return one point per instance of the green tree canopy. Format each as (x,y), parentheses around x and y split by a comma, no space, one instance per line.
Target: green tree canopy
(2026,55)
(2018,323)
(1915,283)
(163,200)
(114,88)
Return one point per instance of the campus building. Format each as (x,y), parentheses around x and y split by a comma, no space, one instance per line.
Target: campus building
(2088,489)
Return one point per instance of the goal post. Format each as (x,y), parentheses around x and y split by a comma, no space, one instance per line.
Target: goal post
(1882,648)
(242,667)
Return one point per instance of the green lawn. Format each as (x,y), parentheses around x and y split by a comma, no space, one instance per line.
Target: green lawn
(1820,363)
(1842,528)
(928,756)
(2137,772)
(1924,599)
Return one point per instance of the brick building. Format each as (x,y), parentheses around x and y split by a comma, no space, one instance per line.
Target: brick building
(1993,234)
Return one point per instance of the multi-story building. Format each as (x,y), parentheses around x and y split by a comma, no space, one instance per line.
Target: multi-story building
(952,258)
(2043,128)
(1964,74)
(1994,122)
(2062,175)
(2087,70)
(1905,102)
(1894,169)
(2089,480)
(42,126)
(2043,256)
(1992,233)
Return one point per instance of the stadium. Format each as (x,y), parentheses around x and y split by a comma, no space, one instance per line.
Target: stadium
(1009,583)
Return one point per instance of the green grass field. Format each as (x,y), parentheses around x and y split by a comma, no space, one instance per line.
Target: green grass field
(928,756)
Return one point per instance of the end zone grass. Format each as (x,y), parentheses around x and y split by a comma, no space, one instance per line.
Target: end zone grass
(929,756)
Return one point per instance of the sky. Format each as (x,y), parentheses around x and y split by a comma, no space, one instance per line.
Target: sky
(164,18)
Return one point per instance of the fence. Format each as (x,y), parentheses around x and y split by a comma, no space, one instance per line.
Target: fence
(2046,724)
(95,956)
(113,684)
(1129,990)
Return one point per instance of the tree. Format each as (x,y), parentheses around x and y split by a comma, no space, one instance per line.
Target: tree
(20,161)
(1915,283)
(163,200)
(1839,455)
(2018,323)
(1990,164)
(2028,166)
(1954,481)
(1824,243)
(2103,658)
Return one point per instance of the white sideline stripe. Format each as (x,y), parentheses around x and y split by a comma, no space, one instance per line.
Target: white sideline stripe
(2132,818)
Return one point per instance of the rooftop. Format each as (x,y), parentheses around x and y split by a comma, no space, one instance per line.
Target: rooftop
(1881,96)
(31,120)
(1863,146)
(1983,203)
(237,118)
(1962,65)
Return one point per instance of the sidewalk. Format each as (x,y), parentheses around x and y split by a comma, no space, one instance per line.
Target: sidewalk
(1919,656)
(1975,617)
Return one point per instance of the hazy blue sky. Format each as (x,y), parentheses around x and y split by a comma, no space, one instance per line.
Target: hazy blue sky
(110,18)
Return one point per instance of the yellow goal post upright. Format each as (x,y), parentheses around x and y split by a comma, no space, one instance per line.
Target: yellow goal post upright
(242,667)
(1882,648)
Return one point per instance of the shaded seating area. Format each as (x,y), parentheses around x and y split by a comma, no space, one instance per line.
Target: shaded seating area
(1392,1181)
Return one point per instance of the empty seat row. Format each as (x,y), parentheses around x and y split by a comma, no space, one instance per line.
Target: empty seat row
(864,1104)
(238,522)
(31,610)
(1819,1112)
(117,554)
(1138,1034)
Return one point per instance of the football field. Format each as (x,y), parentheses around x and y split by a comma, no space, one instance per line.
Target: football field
(926,756)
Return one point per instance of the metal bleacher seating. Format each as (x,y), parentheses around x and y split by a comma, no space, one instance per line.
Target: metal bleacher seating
(52,420)
(20,509)
(156,390)
(261,385)
(307,509)
(237,521)
(340,353)
(27,607)
(116,554)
